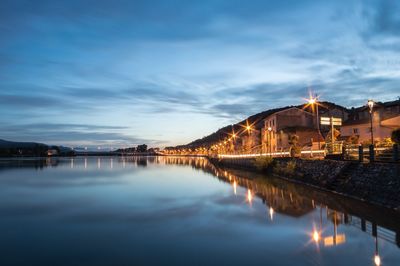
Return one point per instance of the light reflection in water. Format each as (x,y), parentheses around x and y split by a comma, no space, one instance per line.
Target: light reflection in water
(315,236)
(249,196)
(377,260)
(271,213)
(234,186)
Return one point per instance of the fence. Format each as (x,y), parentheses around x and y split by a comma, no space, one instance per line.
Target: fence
(371,154)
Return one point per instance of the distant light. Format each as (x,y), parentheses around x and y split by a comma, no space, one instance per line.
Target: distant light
(269,129)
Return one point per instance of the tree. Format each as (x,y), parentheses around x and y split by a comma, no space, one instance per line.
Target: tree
(336,134)
(396,136)
(141,148)
(295,150)
(354,139)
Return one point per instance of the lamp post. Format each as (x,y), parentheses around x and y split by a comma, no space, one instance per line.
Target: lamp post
(371,104)
(313,101)
(248,142)
(269,142)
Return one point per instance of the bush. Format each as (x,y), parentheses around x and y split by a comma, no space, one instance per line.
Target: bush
(396,136)
(264,163)
(288,169)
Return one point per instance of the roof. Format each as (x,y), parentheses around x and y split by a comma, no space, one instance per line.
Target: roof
(287,109)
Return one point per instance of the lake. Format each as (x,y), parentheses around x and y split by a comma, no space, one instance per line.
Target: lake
(180,211)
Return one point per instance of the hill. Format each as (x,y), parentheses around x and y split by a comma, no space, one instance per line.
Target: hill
(256,120)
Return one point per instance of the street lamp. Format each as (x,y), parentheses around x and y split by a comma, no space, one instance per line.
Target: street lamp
(371,104)
(314,101)
(269,143)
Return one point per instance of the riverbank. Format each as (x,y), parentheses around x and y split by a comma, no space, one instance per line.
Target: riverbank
(377,183)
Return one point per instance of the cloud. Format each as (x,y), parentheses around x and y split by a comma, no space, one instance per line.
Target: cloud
(73,133)
(161,70)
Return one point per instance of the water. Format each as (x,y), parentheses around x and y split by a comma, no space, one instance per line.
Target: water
(179,211)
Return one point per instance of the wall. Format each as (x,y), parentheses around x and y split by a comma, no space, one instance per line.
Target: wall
(377,183)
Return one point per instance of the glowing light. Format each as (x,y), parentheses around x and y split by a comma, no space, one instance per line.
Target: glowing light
(249,196)
(269,129)
(377,260)
(234,187)
(371,104)
(315,236)
(312,100)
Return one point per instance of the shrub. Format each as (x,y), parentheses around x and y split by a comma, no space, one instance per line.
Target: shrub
(264,163)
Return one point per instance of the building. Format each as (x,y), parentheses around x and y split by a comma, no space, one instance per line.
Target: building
(385,119)
(250,141)
(280,126)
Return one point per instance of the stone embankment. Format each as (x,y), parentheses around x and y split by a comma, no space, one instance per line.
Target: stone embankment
(376,183)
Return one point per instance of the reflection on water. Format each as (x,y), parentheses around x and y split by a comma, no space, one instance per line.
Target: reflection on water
(328,221)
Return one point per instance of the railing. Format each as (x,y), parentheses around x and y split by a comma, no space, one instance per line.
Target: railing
(304,153)
(382,153)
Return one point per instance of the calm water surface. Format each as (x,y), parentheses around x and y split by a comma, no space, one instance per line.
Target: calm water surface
(179,211)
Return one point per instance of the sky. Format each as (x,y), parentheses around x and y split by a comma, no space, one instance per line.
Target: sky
(166,72)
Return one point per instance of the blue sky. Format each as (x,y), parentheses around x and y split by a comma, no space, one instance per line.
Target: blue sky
(121,73)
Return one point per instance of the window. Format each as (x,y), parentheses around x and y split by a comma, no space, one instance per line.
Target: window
(355,130)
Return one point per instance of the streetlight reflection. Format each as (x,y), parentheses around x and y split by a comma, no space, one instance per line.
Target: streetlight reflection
(316,236)
(249,196)
(377,260)
(271,213)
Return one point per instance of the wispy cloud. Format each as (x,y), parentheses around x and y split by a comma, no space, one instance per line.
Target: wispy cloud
(177,72)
